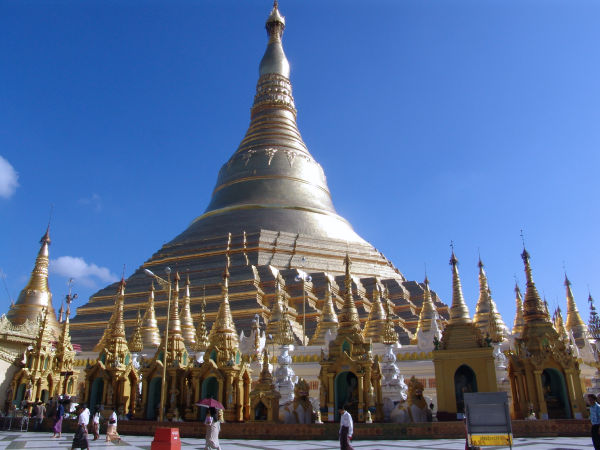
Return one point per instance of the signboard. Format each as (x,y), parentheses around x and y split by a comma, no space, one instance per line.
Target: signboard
(488,419)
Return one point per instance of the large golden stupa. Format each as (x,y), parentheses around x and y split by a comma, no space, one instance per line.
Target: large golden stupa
(271,208)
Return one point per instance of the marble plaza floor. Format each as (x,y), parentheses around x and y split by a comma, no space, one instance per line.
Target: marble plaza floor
(21,440)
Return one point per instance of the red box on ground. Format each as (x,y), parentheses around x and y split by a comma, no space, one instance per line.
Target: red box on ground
(166,439)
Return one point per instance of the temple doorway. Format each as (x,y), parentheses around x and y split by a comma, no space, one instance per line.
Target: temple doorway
(96,394)
(153,403)
(210,389)
(346,392)
(20,395)
(260,412)
(555,394)
(464,381)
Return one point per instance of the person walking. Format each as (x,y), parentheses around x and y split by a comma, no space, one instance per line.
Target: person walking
(40,413)
(96,423)
(346,428)
(592,402)
(111,429)
(80,440)
(58,419)
(213,427)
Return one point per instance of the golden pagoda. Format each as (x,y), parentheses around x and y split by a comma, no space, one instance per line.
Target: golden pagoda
(264,397)
(544,374)
(463,361)
(559,326)
(36,295)
(328,320)
(349,374)
(519,322)
(427,314)
(202,341)
(150,331)
(575,324)
(65,357)
(187,323)
(377,318)
(112,380)
(279,305)
(487,318)
(271,208)
(136,341)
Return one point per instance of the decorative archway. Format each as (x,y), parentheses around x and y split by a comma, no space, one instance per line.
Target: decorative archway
(465,380)
(20,395)
(153,398)
(555,394)
(346,392)
(210,389)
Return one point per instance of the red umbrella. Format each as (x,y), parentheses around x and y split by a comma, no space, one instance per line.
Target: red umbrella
(210,403)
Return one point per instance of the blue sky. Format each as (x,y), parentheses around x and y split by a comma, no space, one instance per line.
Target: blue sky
(433,120)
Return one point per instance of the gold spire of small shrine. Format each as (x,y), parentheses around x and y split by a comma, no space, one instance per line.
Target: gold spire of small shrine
(201,332)
(459,313)
(36,295)
(519,322)
(574,322)
(348,317)
(223,335)
(176,347)
(328,319)
(389,336)
(427,314)
(559,325)
(487,318)
(265,374)
(594,323)
(277,309)
(118,330)
(376,321)
(113,344)
(150,331)
(533,307)
(285,336)
(187,323)
(136,342)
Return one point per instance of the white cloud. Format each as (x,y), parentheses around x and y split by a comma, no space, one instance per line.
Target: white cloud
(95,202)
(82,272)
(8,179)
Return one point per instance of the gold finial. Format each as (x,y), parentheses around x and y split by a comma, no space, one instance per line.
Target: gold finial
(349,320)
(487,318)
(285,335)
(459,313)
(223,334)
(136,343)
(519,322)
(390,337)
(187,322)
(202,342)
(151,333)
(374,328)
(328,319)
(427,314)
(574,322)
(533,307)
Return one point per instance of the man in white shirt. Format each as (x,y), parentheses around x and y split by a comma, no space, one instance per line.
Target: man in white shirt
(346,428)
(83,419)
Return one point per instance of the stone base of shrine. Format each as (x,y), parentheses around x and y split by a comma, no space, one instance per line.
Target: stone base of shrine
(329,431)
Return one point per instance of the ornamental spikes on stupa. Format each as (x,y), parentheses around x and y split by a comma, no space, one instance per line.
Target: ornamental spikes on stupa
(348,317)
(328,320)
(487,318)
(285,335)
(187,323)
(376,321)
(575,324)
(36,295)
(459,313)
(534,310)
(223,336)
(428,312)
(278,307)
(114,342)
(136,342)
(150,331)
(519,322)
(176,345)
(201,331)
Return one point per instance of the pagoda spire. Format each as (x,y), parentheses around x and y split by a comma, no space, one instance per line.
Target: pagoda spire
(274,60)
(574,322)
(285,336)
(594,323)
(487,318)
(459,313)
(36,295)
(277,309)
(427,314)
(201,331)
(187,323)
(328,319)
(559,326)
(349,320)
(136,342)
(150,331)
(114,342)
(533,307)
(376,321)
(389,335)
(176,341)
(223,335)
(519,322)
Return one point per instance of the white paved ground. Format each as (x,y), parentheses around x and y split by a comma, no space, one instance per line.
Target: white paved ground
(19,440)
